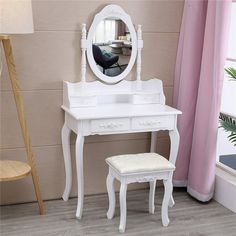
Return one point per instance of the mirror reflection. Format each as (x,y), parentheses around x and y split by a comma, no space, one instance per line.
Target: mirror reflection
(112,46)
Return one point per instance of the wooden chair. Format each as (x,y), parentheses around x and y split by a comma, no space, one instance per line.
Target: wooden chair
(14,170)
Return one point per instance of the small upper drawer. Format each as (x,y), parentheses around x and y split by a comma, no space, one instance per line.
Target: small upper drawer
(110,125)
(149,123)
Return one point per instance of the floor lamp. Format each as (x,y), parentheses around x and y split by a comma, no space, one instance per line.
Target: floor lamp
(17,19)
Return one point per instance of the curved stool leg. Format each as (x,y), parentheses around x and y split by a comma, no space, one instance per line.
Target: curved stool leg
(123,189)
(167,195)
(111,195)
(152,196)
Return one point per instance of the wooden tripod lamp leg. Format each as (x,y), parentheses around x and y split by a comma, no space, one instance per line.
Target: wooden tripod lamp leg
(21,116)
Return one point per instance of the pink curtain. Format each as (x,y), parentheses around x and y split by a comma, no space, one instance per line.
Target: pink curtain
(197,92)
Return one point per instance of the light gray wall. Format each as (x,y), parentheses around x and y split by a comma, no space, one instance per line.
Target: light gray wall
(51,55)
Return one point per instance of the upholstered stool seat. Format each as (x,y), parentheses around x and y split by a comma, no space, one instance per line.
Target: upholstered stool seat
(143,167)
(143,162)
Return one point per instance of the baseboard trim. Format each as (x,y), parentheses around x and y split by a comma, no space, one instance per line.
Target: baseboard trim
(225,189)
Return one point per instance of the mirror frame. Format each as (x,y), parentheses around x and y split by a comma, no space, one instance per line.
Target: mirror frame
(106,12)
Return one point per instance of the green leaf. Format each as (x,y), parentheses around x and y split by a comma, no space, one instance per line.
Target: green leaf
(229,125)
(232,138)
(231,72)
(226,122)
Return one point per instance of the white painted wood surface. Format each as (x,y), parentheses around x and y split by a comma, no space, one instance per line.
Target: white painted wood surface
(91,94)
(83,56)
(79,147)
(152,196)
(123,208)
(168,186)
(163,173)
(111,195)
(127,107)
(111,11)
(139,58)
(116,117)
(65,135)
(225,188)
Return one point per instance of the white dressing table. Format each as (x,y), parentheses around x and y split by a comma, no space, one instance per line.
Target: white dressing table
(125,107)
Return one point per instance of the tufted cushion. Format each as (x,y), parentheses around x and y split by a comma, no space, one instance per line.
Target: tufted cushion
(142,162)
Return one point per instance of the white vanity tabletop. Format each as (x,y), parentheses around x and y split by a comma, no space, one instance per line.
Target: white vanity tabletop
(120,110)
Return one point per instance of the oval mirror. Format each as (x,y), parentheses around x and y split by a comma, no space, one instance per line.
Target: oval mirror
(112,44)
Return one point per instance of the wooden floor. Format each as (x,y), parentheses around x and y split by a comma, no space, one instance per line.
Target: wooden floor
(188,217)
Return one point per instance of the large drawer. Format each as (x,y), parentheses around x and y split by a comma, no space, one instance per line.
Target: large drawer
(154,122)
(110,125)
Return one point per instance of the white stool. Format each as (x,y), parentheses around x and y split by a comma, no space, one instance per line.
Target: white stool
(144,167)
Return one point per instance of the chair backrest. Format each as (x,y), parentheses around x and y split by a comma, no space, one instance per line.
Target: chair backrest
(98,55)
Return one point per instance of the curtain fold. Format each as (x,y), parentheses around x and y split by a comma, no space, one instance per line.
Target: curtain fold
(199,75)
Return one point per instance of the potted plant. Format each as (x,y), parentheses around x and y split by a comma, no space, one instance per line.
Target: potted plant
(227,122)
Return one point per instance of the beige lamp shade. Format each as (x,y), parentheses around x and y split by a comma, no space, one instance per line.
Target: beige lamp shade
(16,17)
